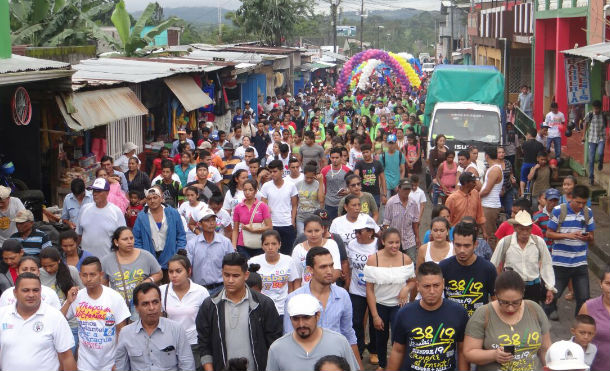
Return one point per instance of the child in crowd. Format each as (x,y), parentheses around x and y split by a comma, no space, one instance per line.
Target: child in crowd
(447,175)
(540,176)
(223,219)
(583,331)
(134,208)
(172,189)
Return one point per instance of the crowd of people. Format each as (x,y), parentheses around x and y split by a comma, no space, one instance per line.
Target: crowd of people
(292,242)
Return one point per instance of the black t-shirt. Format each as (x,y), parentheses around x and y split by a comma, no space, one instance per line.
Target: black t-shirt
(530,148)
(369,173)
(471,286)
(430,337)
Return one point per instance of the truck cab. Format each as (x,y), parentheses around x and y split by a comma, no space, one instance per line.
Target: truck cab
(466,124)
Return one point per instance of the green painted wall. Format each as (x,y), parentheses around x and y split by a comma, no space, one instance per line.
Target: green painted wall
(5,30)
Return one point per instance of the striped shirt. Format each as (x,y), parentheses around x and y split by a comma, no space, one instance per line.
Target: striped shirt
(569,252)
(32,244)
(541,218)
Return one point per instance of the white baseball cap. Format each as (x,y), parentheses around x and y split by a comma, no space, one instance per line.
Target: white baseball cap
(363,223)
(565,355)
(303,305)
(203,213)
(5,192)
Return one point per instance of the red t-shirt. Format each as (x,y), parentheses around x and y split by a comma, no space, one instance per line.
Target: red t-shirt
(506,229)
(131,214)
(13,274)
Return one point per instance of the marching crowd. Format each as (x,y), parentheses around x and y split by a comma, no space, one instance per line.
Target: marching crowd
(292,241)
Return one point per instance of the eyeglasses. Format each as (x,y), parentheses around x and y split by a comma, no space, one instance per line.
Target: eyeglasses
(355,185)
(506,303)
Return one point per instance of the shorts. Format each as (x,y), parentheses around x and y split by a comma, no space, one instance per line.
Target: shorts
(525,170)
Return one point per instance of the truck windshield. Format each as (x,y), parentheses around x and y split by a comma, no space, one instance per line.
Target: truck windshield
(467,125)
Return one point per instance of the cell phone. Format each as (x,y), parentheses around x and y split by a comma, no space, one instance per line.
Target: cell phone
(583,234)
(509,349)
(339,191)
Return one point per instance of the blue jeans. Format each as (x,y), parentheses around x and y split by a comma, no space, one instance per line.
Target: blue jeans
(248,252)
(556,144)
(507,201)
(333,212)
(580,282)
(288,234)
(595,149)
(387,314)
(75,334)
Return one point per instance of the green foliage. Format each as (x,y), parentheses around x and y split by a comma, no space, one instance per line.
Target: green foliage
(132,41)
(271,20)
(57,22)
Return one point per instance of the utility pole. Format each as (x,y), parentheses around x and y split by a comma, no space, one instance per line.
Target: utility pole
(333,11)
(361,25)
(219,22)
(449,57)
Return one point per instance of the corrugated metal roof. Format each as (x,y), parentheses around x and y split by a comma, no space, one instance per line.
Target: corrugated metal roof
(599,52)
(99,107)
(233,56)
(20,63)
(188,92)
(116,70)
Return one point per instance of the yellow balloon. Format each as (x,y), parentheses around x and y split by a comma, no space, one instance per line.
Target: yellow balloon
(411,75)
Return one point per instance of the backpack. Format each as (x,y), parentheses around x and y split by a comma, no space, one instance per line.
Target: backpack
(563,212)
(506,244)
(400,158)
(590,117)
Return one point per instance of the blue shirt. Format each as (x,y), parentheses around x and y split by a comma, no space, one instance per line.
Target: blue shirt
(71,206)
(569,252)
(206,258)
(391,165)
(176,143)
(124,185)
(427,235)
(337,315)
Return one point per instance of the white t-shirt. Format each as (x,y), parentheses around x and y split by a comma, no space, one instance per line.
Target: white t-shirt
(241,166)
(47,295)
(288,178)
(232,201)
(186,210)
(7,226)
(554,121)
(354,156)
(223,220)
(213,175)
(97,320)
(299,253)
(357,255)
(241,152)
(418,196)
(96,226)
(175,178)
(122,162)
(184,311)
(276,277)
(279,201)
(33,344)
(345,228)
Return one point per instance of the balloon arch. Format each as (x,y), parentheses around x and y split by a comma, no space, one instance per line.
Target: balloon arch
(353,70)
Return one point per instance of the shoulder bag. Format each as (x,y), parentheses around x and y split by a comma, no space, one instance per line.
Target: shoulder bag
(253,240)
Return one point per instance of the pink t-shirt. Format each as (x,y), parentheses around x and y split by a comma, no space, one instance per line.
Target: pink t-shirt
(242,214)
(506,229)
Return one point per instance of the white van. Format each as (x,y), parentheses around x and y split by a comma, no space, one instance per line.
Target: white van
(466,124)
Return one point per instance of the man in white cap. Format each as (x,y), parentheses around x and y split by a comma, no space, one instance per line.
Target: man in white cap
(303,347)
(182,137)
(528,255)
(9,206)
(129,151)
(32,239)
(97,221)
(565,355)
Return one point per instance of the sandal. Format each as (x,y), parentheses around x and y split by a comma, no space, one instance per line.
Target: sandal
(570,295)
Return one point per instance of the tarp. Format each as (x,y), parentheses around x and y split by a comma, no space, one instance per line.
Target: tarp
(459,83)
(188,92)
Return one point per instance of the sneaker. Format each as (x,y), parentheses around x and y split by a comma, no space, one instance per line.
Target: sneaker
(554,316)
(600,167)
(373,359)
(591,181)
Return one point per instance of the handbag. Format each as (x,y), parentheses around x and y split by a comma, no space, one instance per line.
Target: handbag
(253,240)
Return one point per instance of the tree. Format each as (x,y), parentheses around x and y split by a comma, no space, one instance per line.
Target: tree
(157,16)
(271,20)
(132,41)
(57,22)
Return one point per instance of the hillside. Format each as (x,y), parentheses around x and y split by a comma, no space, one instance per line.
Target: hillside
(403,13)
(195,15)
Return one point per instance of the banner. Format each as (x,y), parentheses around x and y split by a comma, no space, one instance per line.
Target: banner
(578,83)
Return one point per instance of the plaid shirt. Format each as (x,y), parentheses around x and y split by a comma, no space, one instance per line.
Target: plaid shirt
(402,218)
(597,130)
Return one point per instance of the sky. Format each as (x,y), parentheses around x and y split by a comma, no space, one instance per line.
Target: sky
(348,5)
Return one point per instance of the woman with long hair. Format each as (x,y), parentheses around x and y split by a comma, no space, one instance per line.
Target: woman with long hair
(389,277)
(137,180)
(181,299)
(116,194)
(127,266)
(155,169)
(249,211)
(235,194)
(30,264)
(435,159)
(70,250)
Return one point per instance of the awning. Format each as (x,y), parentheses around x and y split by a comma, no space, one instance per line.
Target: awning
(598,52)
(86,110)
(188,92)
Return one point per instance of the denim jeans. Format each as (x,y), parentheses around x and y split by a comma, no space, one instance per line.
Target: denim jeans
(387,314)
(556,145)
(580,282)
(287,234)
(436,192)
(595,149)
(332,211)
(359,307)
(507,201)
(248,252)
